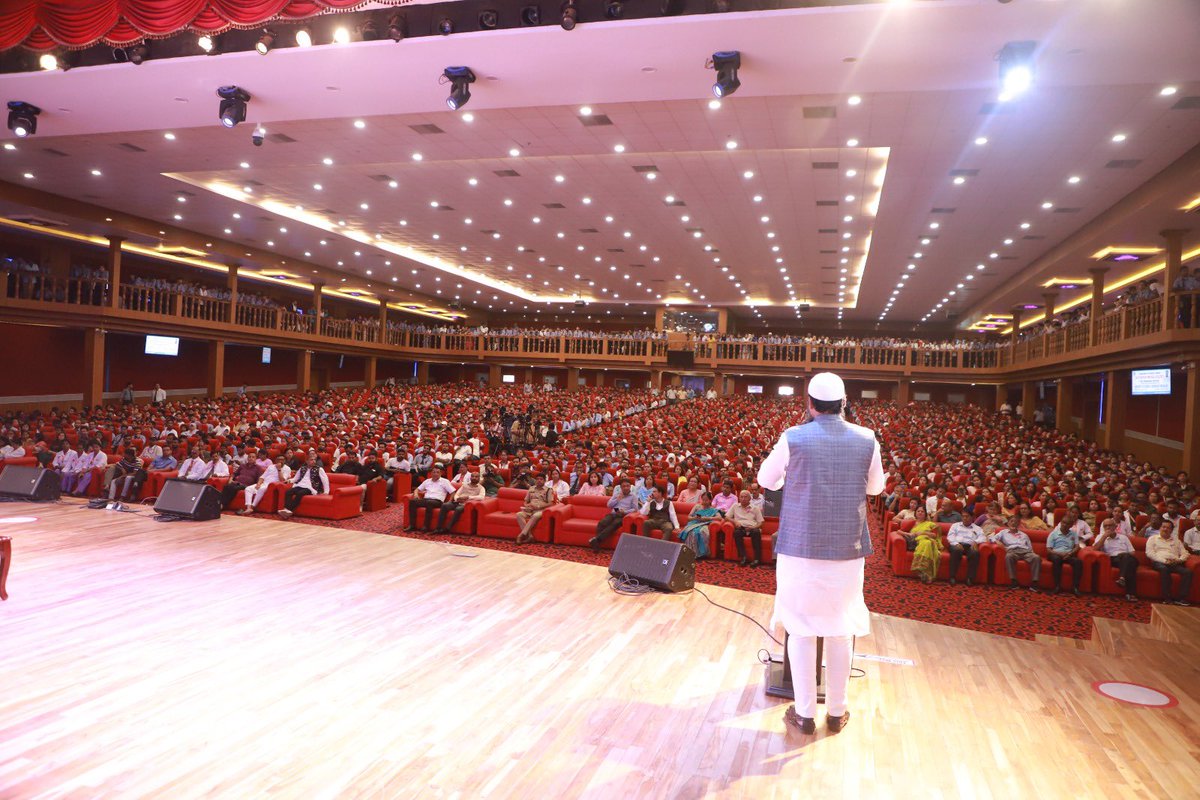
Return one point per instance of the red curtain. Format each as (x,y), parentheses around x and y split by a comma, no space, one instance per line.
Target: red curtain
(48,24)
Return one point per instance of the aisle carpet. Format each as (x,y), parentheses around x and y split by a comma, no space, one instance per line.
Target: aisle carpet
(991,609)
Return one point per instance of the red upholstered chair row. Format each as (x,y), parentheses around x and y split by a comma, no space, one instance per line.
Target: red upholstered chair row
(496,516)
(574,521)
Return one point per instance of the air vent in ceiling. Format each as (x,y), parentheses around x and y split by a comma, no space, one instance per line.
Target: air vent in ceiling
(1186,103)
(823,203)
(1123,163)
(825,165)
(963,173)
(820,112)
(1061,210)
(426,129)
(1033,237)
(252,183)
(616,250)
(694,230)
(595,120)
(91,197)
(588,230)
(329,212)
(677,203)
(280,138)
(941,210)
(487,231)
(41,222)
(827,252)
(185,193)
(380,178)
(506,173)
(645,168)
(132,148)
(50,151)
(553,205)
(826,230)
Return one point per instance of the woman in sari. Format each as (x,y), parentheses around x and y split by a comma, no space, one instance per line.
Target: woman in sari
(695,532)
(928,555)
(692,493)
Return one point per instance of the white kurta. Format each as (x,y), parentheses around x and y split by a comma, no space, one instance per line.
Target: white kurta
(815,597)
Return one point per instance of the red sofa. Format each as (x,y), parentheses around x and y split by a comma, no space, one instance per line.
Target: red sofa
(575,520)
(497,517)
(466,523)
(1149,584)
(770,526)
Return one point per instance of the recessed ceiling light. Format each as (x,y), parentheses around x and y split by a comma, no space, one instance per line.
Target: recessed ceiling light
(507,202)
(981,140)
(559,178)
(959,180)
(731,145)
(854,100)
(1167,91)
(1074,179)
(472,181)
(618,148)
(29,176)
(852,143)
(849,198)
(1047,204)
(1024,226)
(360,124)
(97,173)
(585,111)
(514,152)
(1120,137)
(327,161)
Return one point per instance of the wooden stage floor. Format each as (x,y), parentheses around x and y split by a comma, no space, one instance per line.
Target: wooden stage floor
(253,658)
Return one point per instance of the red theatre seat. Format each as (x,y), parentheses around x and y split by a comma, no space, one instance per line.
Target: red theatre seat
(770,526)
(343,501)
(497,517)
(575,520)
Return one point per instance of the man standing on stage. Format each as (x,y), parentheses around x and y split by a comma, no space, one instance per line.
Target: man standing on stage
(826,469)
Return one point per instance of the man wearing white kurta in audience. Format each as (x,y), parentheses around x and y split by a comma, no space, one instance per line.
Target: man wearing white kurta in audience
(826,469)
(274,473)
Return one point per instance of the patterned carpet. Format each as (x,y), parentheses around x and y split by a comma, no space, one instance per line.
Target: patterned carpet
(990,609)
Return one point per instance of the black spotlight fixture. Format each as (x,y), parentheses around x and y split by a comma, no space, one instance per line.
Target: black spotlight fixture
(570,15)
(397,27)
(531,16)
(233,105)
(488,20)
(22,118)
(265,42)
(139,53)
(614,9)
(445,26)
(369,31)
(460,79)
(723,6)
(726,63)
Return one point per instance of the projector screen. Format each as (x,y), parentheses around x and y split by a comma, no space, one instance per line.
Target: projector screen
(266,355)
(162,346)
(1150,381)
(786,391)
(508,378)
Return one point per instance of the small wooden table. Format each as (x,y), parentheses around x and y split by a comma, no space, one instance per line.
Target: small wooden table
(5,561)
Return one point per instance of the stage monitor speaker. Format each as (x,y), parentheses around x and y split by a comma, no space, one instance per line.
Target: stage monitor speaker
(30,483)
(681,358)
(667,566)
(188,499)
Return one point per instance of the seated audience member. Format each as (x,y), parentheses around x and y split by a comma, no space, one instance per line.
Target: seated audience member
(1028,520)
(1080,528)
(757,498)
(1191,540)
(1117,545)
(692,493)
(948,513)
(396,464)
(65,461)
(725,499)
(594,487)
(125,476)
(422,463)
(1168,557)
(538,498)
(660,515)
(747,521)
(276,472)
(469,489)
(1090,515)
(622,502)
(964,540)
(910,511)
(1018,547)
(309,479)
(352,466)
(561,489)
(927,554)
(922,526)
(991,520)
(244,477)
(430,495)
(695,533)
(1063,547)
(94,458)
(1152,526)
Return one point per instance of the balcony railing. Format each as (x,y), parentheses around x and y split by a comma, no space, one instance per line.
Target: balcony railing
(27,290)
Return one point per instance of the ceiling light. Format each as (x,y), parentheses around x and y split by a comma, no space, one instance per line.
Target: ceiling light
(233,105)
(341,36)
(263,46)
(48,62)
(22,118)
(714,104)
(1167,91)
(1120,137)
(731,145)
(514,152)
(852,143)
(1047,204)
(854,100)
(445,26)
(959,180)
(726,63)
(397,27)
(1024,226)
(303,37)
(981,140)
(417,157)
(460,79)
(1074,179)
(1016,69)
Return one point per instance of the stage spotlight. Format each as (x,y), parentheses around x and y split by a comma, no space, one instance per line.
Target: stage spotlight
(341,36)
(723,6)
(369,31)
(726,63)
(139,53)
(303,37)
(397,27)
(445,26)
(265,42)
(488,20)
(531,16)
(22,118)
(614,9)
(1016,68)
(233,105)
(570,15)
(460,79)
(48,61)
(210,44)
(120,55)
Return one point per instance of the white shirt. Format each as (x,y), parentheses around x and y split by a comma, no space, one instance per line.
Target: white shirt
(774,467)
(562,489)
(645,511)
(305,480)
(1191,539)
(151,451)
(962,533)
(436,490)
(65,460)
(159,395)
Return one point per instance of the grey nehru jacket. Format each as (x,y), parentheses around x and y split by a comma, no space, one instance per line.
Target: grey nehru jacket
(826,469)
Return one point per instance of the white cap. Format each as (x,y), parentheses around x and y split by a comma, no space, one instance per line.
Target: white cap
(826,386)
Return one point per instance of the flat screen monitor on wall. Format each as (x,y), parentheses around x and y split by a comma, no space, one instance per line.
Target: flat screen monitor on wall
(508,378)
(785,391)
(162,345)
(1150,381)
(754,389)
(266,355)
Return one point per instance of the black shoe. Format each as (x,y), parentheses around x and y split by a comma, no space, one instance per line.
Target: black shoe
(1057,589)
(594,543)
(806,725)
(410,529)
(953,582)
(1180,603)
(1014,585)
(743,562)
(1131,598)
(1034,589)
(970,582)
(837,724)
(754,563)
(1077,593)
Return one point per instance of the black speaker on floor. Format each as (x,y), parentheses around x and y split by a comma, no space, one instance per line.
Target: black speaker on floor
(667,566)
(188,499)
(30,483)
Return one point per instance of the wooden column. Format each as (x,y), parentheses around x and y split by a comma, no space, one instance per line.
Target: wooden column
(1050,300)
(231,283)
(719,383)
(369,372)
(383,318)
(572,379)
(1063,404)
(656,379)
(423,373)
(1001,395)
(903,392)
(659,318)
(1116,396)
(1174,249)
(1097,304)
(304,370)
(1028,400)
(1016,329)
(114,271)
(216,369)
(722,320)
(1191,421)
(93,367)
(317,287)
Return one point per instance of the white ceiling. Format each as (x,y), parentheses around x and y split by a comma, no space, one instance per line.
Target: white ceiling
(923,69)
